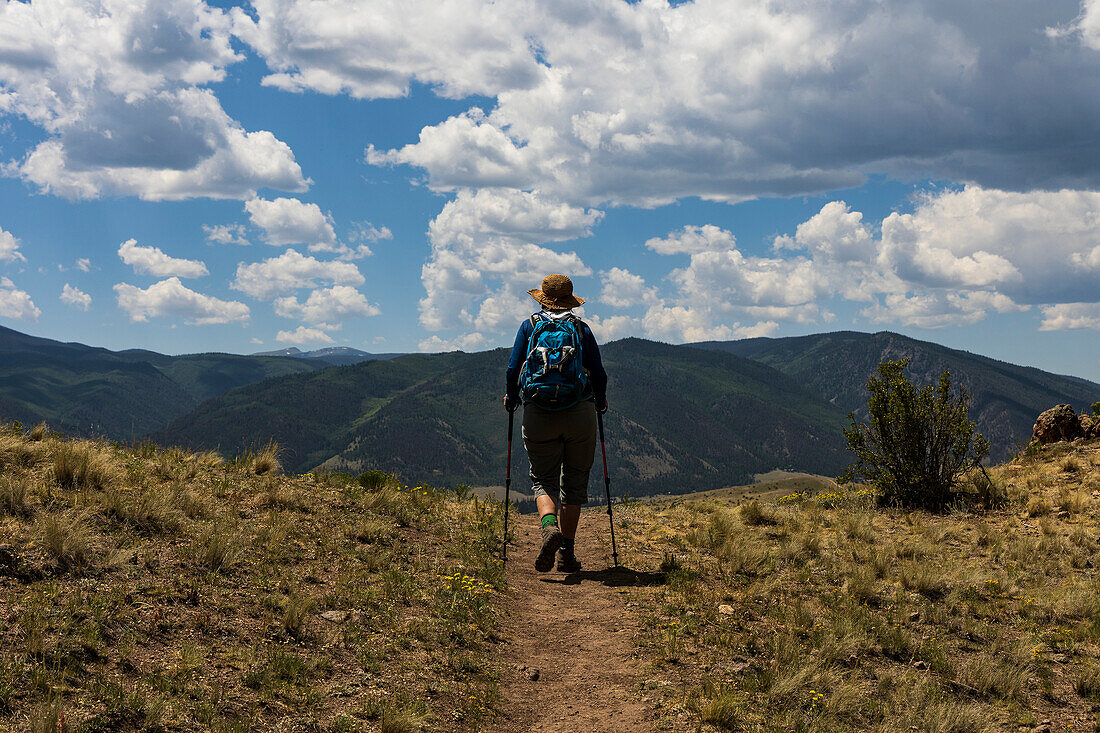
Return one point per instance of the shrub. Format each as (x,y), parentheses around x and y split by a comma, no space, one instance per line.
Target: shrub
(373,480)
(918,441)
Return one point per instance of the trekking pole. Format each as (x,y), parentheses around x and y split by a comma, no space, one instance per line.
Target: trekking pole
(607,485)
(508,481)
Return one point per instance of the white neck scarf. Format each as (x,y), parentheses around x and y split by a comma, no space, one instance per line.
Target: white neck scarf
(557,315)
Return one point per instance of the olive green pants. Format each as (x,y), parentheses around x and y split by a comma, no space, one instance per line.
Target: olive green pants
(561,445)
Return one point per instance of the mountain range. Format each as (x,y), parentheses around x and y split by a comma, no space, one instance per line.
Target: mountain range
(683,418)
(118,394)
(330,355)
(1006,398)
(680,417)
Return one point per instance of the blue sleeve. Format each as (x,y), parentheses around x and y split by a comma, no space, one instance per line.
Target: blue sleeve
(519,353)
(594,364)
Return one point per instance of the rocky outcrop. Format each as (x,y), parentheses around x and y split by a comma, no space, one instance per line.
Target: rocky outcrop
(1090,426)
(1057,423)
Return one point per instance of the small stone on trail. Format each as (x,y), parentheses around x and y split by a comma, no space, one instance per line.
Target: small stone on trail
(336,617)
(533,675)
(914,616)
(725,610)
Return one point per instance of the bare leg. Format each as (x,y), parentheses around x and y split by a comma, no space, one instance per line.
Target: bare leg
(570,516)
(546,506)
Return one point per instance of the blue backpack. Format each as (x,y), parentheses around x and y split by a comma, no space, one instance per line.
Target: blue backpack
(553,376)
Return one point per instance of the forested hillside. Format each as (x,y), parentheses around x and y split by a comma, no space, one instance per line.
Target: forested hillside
(1006,397)
(680,419)
(121,395)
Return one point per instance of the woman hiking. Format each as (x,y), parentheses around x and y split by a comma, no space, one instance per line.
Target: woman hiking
(556,373)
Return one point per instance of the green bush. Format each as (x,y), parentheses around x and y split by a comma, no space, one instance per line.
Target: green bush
(373,480)
(919,442)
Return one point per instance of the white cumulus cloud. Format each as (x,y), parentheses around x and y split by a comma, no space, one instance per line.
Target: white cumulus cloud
(290,221)
(370,50)
(327,305)
(1070,315)
(15,303)
(693,240)
(9,248)
(1027,245)
(623,289)
(172,299)
(490,241)
(682,100)
(466,342)
(119,89)
(304,335)
(152,261)
(75,297)
(938,309)
(292,271)
(835,233)
(226,234)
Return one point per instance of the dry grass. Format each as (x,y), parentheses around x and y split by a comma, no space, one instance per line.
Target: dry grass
(216,546)
(83,465)
(15,495)
(754,514)
(153,510)
(67,539)
(402,721)
(1038,506)
(850,618)
(166,590)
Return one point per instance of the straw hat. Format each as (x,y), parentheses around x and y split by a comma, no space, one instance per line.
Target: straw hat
(556,293)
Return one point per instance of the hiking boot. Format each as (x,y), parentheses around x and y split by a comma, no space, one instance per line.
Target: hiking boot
(568,562)
(551,541)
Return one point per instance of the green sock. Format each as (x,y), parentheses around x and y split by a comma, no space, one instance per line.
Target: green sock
(568,543)
(549,519)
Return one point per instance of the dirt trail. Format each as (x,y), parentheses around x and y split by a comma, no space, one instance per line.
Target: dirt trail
(576,631)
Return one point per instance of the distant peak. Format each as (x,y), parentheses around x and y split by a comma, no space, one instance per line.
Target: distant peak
(289,351)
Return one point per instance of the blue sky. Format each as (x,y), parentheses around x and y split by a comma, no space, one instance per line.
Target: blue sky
(183,177)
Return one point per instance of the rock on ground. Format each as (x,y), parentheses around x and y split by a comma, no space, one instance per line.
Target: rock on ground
(1057,423)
